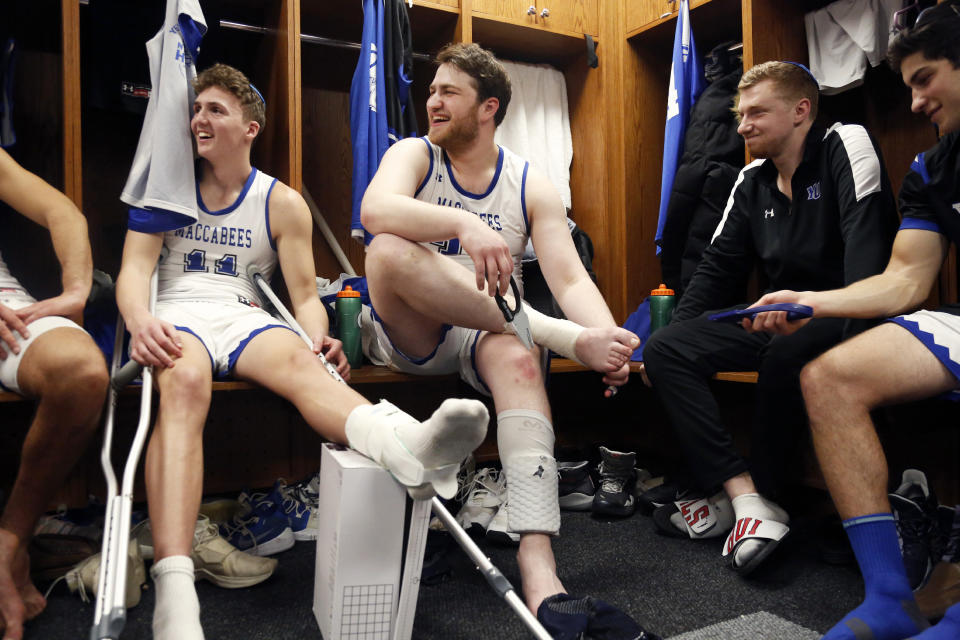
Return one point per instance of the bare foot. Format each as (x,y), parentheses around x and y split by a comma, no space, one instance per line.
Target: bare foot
(33,601)
(12,607)
(605,349)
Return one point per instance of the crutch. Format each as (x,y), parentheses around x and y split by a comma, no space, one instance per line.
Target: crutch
(110,613)
(494,577)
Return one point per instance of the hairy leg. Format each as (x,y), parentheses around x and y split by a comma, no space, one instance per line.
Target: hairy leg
(66,373)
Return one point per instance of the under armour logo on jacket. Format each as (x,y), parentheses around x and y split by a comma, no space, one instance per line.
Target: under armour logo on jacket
(813,191)
(768,213)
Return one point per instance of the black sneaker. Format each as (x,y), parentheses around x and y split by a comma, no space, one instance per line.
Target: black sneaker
(666,493)
(615,495)
(915,510)
(576,486)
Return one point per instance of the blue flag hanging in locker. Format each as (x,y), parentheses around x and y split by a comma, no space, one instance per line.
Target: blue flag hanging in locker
(381,105)
(686,84)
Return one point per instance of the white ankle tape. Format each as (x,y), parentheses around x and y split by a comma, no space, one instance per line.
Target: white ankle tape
(371,430)
(419,454)
(525,439)
(560,336)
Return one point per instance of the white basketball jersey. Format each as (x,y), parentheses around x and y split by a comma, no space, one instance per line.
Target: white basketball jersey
(502,206)
(209,259)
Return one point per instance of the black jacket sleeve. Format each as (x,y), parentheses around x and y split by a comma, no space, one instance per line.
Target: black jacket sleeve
(720,278)
(868,221)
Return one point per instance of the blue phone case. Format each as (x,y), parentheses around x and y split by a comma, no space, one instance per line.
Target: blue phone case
(794,312)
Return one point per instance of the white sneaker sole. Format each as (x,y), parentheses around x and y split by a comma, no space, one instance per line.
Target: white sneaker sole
(308,533)
(281,543)
(230,582)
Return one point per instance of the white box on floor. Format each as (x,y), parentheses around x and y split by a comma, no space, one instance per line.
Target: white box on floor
(359,547)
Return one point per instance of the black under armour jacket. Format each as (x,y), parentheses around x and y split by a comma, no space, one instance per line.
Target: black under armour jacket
(838,228)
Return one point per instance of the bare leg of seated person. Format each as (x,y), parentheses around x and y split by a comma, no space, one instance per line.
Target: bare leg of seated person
(65,371)
(174,473)
(525,441)
(410,277)
(886,365)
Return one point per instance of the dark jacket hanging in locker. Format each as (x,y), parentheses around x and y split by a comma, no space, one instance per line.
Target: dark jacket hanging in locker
(713,154)
(398,71)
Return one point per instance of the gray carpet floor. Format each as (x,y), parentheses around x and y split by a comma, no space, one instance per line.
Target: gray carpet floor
(678,588)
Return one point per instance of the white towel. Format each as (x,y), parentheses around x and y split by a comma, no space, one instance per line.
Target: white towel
(162,177)
(537,124)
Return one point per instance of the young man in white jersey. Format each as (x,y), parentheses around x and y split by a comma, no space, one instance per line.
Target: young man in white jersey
(457,194)
(46,356)
(207,322)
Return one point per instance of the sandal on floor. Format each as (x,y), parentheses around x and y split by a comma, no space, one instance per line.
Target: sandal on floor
(698,519)
(764,529)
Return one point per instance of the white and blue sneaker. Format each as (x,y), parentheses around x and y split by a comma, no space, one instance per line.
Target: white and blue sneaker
(300,502)
(262,530)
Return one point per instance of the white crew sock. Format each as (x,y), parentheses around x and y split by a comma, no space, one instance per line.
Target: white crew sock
(176,614)
(753,505)
(410,450)
(560,336)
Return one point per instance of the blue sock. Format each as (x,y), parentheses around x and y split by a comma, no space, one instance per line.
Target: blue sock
(888,611)
(947,629)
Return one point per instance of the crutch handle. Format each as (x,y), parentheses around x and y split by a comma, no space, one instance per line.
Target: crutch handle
(126,374)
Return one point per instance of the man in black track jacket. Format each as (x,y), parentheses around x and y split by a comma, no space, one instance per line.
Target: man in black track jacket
(814,211)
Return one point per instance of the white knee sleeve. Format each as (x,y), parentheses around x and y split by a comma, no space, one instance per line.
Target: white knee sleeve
(525,440)
(560,336)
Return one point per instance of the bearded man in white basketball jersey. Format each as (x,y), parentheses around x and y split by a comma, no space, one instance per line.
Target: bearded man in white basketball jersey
(208,322)
(47,357)
(451,214)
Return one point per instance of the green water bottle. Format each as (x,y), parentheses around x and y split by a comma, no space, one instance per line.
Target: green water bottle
(348,325)
(662,302)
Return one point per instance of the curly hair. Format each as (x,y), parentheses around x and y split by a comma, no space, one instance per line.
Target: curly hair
(490,79)
(235,82)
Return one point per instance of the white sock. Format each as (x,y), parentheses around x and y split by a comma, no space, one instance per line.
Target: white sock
(753,505)
(176,614)
(419,453)
(560,336)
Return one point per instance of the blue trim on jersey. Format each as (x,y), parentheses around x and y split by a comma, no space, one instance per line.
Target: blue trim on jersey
(940,352)
(523,197)
(426,178)
(919,165)
(917,223)
(156,220)
(192,33)
(237,202)
(473,362)
(417,361)
(273,245)
(191,332)
(462,191)
(6,388)
(235,354)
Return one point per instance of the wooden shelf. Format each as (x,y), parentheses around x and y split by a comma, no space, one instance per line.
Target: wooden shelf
(513,40)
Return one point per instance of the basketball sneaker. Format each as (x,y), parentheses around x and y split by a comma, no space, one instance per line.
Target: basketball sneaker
(915,510)
(576,487)
(484,495)
(263,530)
(615,495)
